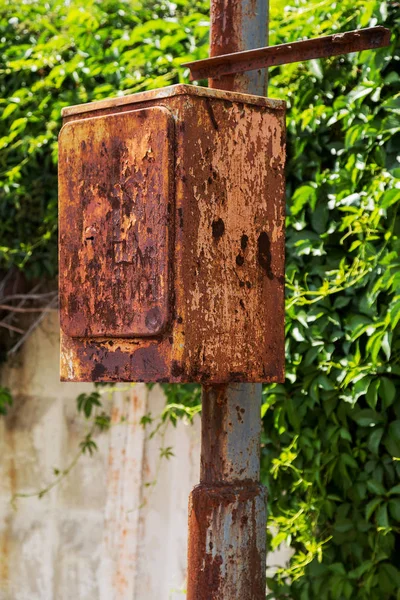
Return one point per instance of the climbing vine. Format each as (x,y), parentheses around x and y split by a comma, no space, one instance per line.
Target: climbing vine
(331,447)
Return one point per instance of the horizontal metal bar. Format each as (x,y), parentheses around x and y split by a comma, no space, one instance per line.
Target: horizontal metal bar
(322,47)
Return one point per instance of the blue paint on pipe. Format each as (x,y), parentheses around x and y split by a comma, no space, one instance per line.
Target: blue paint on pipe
(255,35)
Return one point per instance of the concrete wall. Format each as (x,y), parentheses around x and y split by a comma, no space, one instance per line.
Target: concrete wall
(103,532)
(115,527)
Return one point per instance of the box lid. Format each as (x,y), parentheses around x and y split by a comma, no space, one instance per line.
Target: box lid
(173,90)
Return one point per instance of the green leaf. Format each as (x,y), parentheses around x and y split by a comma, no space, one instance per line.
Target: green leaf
(349,460)
(395,315)
(359,92)
(5,400)
(390,197)
(382,518)
(371,507)
(9,109)
(374,440)
(345,434)
(392,439)
(389,578)
(315,68)
(19,124)
(303,195)
(394,509)
(387,391)
(375,487)
(386,344)
(297,334)
(166,452)
(395,489)
(372,393)
(362,386)
(325,383)
(86,403)
(374,345)
(88,445)
(344,525)
(366,417)
(359,571)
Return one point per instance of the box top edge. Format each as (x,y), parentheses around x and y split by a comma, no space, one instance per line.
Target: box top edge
(172,90)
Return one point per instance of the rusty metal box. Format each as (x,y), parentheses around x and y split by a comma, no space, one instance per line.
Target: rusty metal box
(172,238)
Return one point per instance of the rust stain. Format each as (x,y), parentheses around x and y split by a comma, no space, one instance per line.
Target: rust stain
(230,27)
(159,96)
(234,199)
(214,513)
(115,205)
(225,62)
(227,37)
(6,534)
(172,238)
(4,559)
(226,422)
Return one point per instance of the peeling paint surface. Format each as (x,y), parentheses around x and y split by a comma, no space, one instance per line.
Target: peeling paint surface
(115,190)
(222,229)
(223,520)
(231,429)
(227,511)
(77,111)
(234,27)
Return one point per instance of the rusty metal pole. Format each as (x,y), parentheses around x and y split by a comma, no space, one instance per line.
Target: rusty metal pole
(227,511)
(237,26)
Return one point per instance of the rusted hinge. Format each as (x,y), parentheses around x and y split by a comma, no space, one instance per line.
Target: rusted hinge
(330,45)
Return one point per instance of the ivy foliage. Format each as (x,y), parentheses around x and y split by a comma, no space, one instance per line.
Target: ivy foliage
(331,445)
(331,448)
(54,54)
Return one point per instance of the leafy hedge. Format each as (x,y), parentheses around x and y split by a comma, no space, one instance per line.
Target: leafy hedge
(57,53)
(331,447)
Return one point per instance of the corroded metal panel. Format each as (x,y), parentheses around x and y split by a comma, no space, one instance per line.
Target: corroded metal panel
(115,205)
(226,234)
(230,240)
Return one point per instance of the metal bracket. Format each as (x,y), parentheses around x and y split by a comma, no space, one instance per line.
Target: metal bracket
(260,58)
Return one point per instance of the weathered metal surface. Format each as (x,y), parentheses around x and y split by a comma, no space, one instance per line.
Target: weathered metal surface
(227,511)
(227,240)
(230,433)
(226,546)
(234,27)
(112,105)
(230,237)
(233,61)
(115,205)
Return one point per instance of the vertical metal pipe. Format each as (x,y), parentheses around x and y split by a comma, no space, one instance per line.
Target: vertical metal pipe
(227,511)
(230,436)
(235,26)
